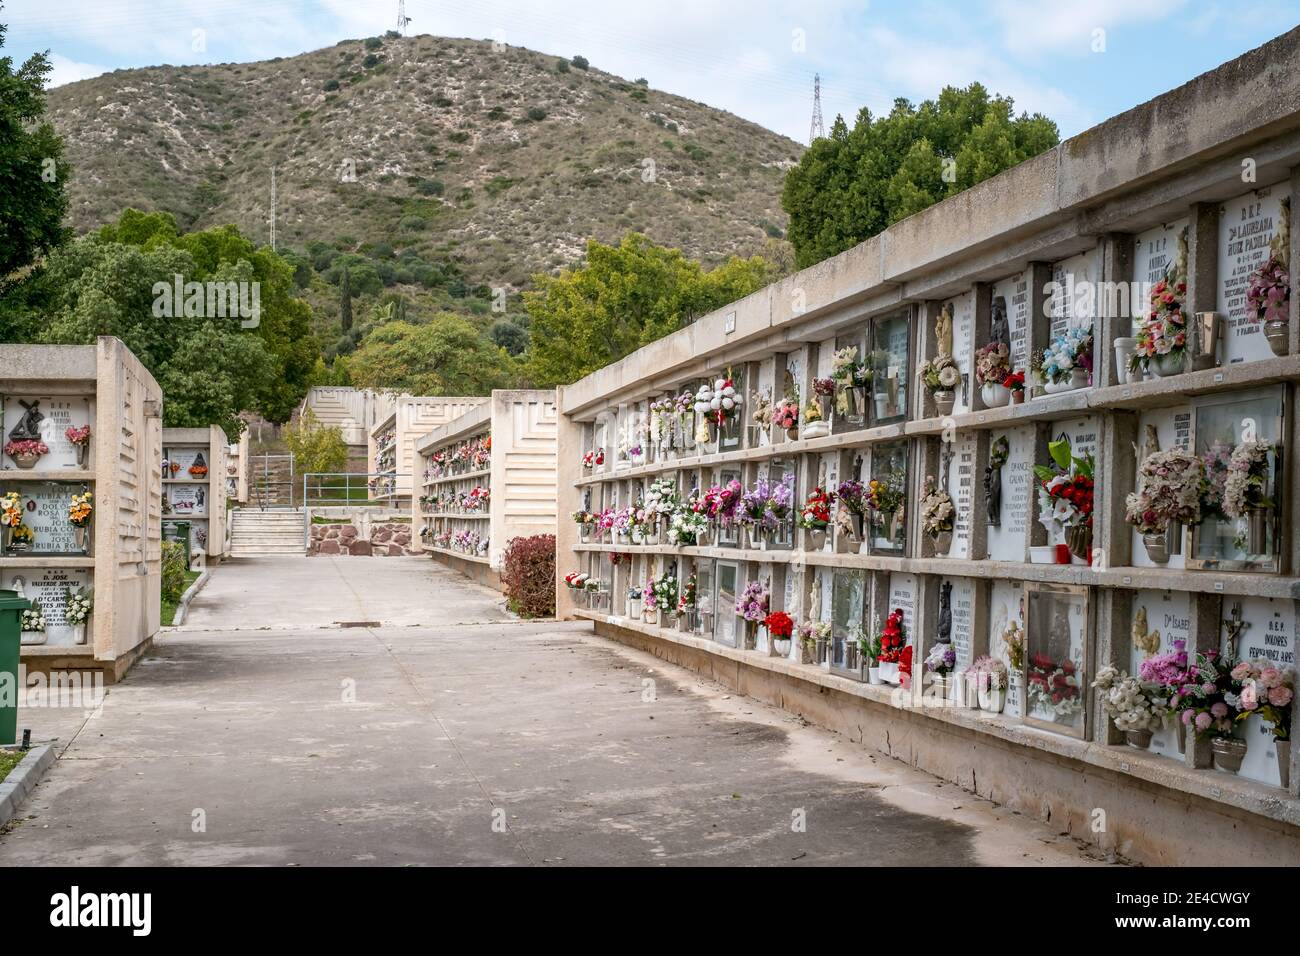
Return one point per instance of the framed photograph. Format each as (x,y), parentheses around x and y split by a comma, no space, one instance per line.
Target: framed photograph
(848,611)
(1058,669)
(888,532)
(889,361)
(1243,532)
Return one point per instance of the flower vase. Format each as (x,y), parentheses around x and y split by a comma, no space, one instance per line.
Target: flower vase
(1278,333)
(1228,753)
(858,522)
(889,672)
(83,449)
(882,405)
(584,532)
(943,402)
(1283,748)
(8,537)
(38,637)
(1141,739)
(702,539)
(1124,349)
(821,649)
(650,615)
(1157,546)
(25,460)
(751,635)
(781,646)
(81,535)
(1207,329)
(816,539)
(995,395)
(992,700)
(1078,538)
(634,608)
(79,633)
(1180,734)
(1257,525)
(942,544)
(826,405)
(873,674)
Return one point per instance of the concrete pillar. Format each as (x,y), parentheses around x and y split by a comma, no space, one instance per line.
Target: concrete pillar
(1038,334)
(1203,257)
(1114,316)
(568,471)
(983,295)
(1114,646)
(1113,537)
(979,528)
(1206,620)
(1293,307)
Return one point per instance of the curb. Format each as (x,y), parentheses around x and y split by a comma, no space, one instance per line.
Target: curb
(22,780)
(183,609)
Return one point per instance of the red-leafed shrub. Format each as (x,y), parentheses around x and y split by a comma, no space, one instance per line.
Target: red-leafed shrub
(528,575)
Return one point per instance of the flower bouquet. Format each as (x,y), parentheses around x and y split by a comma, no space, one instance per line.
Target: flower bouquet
(32,625)
(851,379)
(11,517)
(815,517)
(824,392)
(814,423)
(937,516)
(992,366)
(852,496)
(940,662)
(1065,498)
(80,509)
(1015,384)
(1245,496)
(941,376)
(885,499)
(814,642)
(686,609)
(893,647)
(1269,691)
(661,502)
(989,678)
(79,438)
(660,594)
(1013,639)
(1268,297)
(1052,689)
(27,452)
(780,631)
(1209,704)
(633,601)
(1067,363)
(753,609)
(786,416)
(686,527)
(1169,489)
(718,404)
(586,522)
(1137,707)
(77,605)
(1162,334)
(594,458)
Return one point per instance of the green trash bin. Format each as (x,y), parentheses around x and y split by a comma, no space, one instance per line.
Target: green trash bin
(11,610)
(178,531)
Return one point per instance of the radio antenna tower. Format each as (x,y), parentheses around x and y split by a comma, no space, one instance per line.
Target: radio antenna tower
(816,129)
(273,208)
(402,18)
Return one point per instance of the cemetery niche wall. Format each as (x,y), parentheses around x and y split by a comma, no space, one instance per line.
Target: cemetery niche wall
(988,490)
(81,503)
(194,470)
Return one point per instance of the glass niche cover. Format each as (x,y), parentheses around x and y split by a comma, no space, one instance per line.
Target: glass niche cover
(888,362)
(1240,440)
(886,498)
(1056,658)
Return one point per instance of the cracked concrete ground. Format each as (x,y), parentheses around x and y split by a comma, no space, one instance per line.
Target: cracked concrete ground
(501,742)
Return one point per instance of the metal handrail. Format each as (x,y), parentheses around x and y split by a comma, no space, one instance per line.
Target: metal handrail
(338,488)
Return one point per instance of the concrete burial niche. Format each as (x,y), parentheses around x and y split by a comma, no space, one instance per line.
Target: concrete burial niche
(486,478)
(392,442)
(1068,243)
(56,392)
(195,476)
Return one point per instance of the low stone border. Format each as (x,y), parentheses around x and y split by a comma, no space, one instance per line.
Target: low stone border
(22,779)
(183,609)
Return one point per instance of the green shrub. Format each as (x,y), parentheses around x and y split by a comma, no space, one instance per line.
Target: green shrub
(371,60)
(373,43)
(173,571)
(528,575)
(562,66)
(581,62)
(536,114)
(331,86)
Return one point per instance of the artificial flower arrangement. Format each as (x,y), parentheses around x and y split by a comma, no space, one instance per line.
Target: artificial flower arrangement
(939,374)
(1270,291)
(198,471)
(812,633)
(780,629)
(686,597)
(823,388)
(77,606)
(477,499)
(992,364)
(1136,706)
(780,501)
(661,500)
(937,512)
(893,638)
(1069,352)
(886,497)
(1065,496)
(587,519)
(815,515)
(987,674)
(633,593)
(33,619)
(941,660)
(719,403)
(1208,702)
(29,450)
(1269,691)
(593,458)
(1015,383)
(1053,687)
(1246,485)
(762,412)
(786,415)
(77,436)
(852,496)
(1169,489)
(753,603)
(605,521)
(661,593)
(11,510)
(576,579)
(814,423)
(686,526)
(1163,332)
(847,371)
(442,539)
(80,508)
(725,501)
(1013,638)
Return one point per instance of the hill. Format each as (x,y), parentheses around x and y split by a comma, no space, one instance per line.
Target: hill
(473,166)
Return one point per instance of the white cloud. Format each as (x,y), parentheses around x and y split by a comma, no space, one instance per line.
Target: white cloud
(1031,27)
(64,70)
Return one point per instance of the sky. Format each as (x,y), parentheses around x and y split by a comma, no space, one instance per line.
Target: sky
(1078,62)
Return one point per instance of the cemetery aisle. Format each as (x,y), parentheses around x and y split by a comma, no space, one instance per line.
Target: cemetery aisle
(497,742)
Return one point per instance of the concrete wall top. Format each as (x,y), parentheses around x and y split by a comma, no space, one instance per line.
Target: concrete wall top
(1049,206)
(49,362)
(479,419)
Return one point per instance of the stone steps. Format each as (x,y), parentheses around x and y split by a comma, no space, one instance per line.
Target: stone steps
(254,532)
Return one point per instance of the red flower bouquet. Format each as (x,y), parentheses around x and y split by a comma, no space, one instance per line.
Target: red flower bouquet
(816,512)
(779,625)
(893,639)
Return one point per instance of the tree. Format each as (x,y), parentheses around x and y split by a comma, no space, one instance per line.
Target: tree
(345,300)
(447,356)
(316,449)
(854,183)
(32,169)
(623,297)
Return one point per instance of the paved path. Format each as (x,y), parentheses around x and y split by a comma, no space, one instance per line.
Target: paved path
(490,743)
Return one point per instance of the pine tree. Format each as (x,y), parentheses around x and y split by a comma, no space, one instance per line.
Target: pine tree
(345,303)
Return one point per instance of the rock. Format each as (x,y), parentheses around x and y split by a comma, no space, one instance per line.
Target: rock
(330,546)
(401,537)
(361,548)
(331,534)
(349,531)
(381,534)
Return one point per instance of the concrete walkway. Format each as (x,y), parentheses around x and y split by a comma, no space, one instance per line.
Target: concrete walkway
(492,743)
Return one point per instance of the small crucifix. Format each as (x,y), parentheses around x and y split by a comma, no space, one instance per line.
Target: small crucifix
(1234,625)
